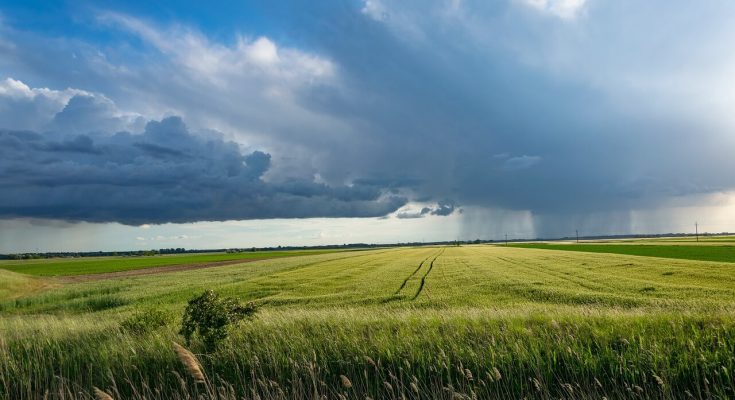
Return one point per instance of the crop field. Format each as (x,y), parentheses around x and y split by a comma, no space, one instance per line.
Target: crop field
(94,265)
(456,322)
(720,253)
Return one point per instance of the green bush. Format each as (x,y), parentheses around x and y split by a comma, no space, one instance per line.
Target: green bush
(209,316)
(145,321)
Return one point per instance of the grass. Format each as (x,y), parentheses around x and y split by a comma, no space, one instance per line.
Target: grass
(684,252)
(13,284)
(84,266)
(457,322)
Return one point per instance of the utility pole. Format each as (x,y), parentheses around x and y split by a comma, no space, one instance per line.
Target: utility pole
(577,232)
(506,239)
(696,230)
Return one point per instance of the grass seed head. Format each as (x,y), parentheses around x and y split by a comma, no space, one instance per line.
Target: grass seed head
(100,394)
(496,374)
(468,374)
(193,367)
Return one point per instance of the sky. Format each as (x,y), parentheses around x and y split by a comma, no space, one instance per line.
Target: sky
(137,125)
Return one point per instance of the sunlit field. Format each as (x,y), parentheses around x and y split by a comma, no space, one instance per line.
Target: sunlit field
(480,321)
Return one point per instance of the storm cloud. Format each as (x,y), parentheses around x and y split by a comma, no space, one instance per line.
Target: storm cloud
(552,110)
(163,174)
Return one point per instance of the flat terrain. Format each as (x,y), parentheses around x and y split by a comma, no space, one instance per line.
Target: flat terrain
(95,265)
(449,322)
(689,251)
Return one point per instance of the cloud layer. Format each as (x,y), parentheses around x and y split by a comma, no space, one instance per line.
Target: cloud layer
(163,174)
(548,109)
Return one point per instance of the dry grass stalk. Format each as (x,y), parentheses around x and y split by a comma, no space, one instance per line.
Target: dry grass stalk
(193,367)
(101,394)
(497,375)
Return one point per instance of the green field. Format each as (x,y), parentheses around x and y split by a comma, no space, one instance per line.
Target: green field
(454,322)
(685,252)
(95,265)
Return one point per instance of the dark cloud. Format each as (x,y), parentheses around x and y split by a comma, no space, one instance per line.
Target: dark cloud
(164,174)
(443,208)
(78,144)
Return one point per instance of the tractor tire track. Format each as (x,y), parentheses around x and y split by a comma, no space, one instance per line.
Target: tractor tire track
(423,278)
(405,281)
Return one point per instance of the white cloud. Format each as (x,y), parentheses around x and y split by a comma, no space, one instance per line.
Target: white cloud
(375,10)
(252,89)
(23,107)
(262,51)
(70,110)
(249,58)
(565,9)
(515,163)
(19,90)
(522,162)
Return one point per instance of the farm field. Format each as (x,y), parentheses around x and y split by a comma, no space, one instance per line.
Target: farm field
(719,253)
(431,322)
(94,265)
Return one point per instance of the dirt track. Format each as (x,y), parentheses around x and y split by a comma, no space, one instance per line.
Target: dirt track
(147,271)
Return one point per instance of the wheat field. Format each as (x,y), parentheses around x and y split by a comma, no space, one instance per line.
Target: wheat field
(453,322)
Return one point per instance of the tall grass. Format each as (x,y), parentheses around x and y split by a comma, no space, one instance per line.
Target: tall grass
(394,354)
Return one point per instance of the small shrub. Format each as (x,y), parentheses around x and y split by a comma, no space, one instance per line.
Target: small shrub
(210,316)
(145,321)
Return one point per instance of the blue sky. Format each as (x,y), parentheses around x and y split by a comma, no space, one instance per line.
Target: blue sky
(189,124)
